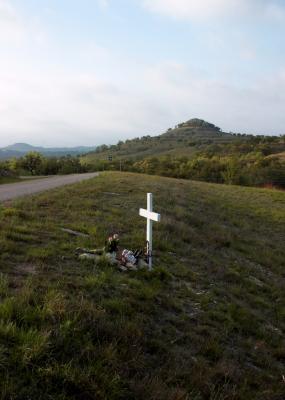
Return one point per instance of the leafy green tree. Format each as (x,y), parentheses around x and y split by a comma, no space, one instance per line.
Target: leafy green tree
(51,166)
(71,165)
(32,162)
(231,175)
(5,169)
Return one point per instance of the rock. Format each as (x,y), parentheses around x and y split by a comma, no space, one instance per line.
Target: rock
(256,281)
(74,233)
(142,264)
(122,268)
(111,193)
(111,258)
(88,256)
(131,267)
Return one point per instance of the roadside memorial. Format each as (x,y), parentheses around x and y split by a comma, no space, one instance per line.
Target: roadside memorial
(126,260)
(151,217)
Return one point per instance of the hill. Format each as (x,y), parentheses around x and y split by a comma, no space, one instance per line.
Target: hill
(20,149)
(207,323)
(198,150)
(183,140)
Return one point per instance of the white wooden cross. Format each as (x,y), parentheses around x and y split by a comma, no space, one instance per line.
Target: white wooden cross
(150,216)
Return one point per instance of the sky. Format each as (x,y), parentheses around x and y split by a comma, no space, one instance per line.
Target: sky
(90,72)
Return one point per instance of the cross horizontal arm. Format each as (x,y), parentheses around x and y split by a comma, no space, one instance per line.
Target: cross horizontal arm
(150,215)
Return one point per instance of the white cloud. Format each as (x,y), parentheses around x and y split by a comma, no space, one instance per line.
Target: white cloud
(205,9)
(92,95)
(185,94)
(103,3)
(71,109)
(16,30)
(191,8)
(248,54)
(12,29)
(275,11)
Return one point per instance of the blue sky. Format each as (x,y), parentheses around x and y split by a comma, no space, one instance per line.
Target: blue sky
(97,71)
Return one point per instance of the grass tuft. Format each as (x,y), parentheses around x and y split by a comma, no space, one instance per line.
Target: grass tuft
(206,323)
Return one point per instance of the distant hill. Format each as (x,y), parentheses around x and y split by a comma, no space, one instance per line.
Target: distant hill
(184,140)
(20,149)
(198,150)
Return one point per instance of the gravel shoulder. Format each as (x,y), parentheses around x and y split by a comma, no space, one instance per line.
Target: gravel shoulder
(12,191)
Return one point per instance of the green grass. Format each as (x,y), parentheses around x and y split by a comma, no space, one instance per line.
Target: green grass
(4,180)
(207,323)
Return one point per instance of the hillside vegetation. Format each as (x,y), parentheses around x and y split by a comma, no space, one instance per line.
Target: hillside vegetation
(34,163)
(198,150)
(184,139)
(207,323)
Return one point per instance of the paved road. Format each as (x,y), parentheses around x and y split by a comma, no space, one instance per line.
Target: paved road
(12,191)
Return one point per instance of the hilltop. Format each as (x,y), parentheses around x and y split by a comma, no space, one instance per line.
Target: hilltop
(207,323)
(20,149)
(196,127)
(198,150)
(185,139)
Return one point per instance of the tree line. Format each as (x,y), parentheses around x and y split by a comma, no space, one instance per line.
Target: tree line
(34,163)
(248,160)
(247,164)
(248,170)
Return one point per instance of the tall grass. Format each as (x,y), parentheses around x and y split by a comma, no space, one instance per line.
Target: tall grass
(207,323)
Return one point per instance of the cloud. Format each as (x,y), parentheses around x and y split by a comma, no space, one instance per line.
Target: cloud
(72,109)
(92,95)
(248,53)
(16,31)
(184,93)
(206,9)
(275,11)
(103,3)
(12,29)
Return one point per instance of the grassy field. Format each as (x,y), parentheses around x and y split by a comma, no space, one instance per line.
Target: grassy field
(207,323)
(9,180)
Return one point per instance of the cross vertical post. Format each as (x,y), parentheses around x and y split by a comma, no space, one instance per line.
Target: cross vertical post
(150,217)
(149,230)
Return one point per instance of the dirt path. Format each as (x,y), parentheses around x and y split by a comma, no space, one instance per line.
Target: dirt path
(12,191)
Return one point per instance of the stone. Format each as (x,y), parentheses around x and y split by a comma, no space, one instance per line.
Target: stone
(111,258)
(256,281)
(111,193)
(74,233)
(88,256)
(122,268)
(131,267)
(142,264)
